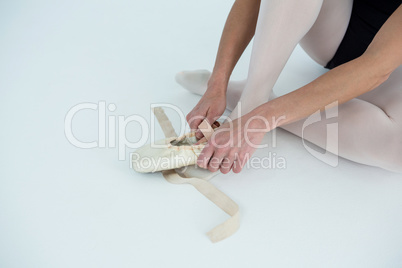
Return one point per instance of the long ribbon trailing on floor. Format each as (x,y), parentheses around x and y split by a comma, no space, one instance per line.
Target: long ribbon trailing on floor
(220,199)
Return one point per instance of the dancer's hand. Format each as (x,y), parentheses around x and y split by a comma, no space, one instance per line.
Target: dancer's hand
(210,107)
(232,144)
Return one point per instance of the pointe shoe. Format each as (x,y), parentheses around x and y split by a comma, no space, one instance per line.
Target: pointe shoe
(169,153)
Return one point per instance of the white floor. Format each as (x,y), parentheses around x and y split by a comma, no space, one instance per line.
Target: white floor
(62,206)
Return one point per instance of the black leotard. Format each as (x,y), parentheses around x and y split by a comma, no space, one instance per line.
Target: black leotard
(366,20)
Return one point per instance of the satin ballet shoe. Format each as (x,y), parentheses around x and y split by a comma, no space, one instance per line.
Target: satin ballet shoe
(170,153)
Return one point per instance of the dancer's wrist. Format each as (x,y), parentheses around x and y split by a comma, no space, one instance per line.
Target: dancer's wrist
(218,82)
(217,88)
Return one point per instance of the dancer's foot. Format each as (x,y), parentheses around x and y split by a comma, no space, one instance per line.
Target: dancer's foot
(194,81)
(197,82)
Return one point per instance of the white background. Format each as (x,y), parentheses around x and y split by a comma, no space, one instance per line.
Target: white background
(61,206)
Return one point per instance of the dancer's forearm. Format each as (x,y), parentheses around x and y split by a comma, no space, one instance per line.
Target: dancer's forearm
(237,34)
(333,88)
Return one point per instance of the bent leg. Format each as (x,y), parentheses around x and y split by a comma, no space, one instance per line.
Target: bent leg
(388,96)
(325,36)
(280,26)
(319,27)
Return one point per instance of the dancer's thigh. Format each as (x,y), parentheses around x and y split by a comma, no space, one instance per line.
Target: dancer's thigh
(388,96)
(324,37)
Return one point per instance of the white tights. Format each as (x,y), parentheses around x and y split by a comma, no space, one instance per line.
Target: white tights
(370,126)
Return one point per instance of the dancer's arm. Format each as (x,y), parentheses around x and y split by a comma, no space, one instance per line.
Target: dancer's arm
(238,31)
